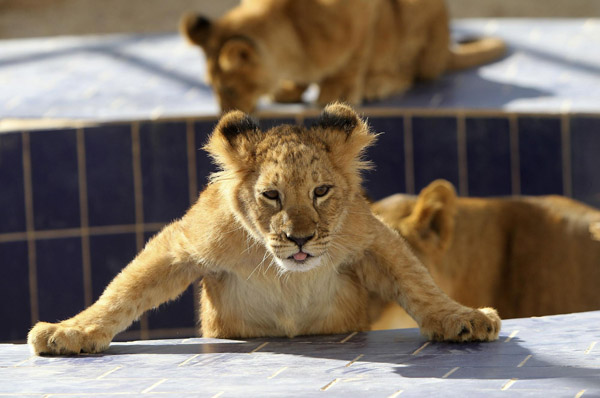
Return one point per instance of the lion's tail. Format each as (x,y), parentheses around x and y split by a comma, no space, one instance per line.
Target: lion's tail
(475,52)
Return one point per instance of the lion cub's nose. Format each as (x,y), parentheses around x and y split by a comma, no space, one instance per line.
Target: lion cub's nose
(300,241)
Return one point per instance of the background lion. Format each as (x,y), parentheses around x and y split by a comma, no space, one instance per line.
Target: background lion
(525,256)
(354,50)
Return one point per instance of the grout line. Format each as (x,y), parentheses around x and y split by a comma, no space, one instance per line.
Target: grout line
(77,232)
(153,386)
(409,163)
(450,372)
(527,358)
(260,347)
(354,360)
(418,350)
(590,348)
(86,259)
(515,161)
(188,360)
(463,166)
(394,395)
(329,385)
(30,227)
(580,394)
(103,375)
(191,157)
(508,384)
(22,362)
(345,339)
(278,372)
(139,207)
(565,135)
(511,336)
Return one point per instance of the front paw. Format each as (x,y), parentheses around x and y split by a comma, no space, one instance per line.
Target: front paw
(66,339)
(464,325)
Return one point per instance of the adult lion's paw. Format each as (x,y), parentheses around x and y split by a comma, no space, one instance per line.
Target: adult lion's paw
(467,325)
(63,339)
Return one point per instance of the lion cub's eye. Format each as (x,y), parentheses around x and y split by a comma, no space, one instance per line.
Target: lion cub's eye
(321,191)
(272,194)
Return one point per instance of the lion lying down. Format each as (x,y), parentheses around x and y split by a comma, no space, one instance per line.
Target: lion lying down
(525,256)
(286,245)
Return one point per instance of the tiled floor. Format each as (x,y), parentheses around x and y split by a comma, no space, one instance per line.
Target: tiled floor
(556,356)
(552,66)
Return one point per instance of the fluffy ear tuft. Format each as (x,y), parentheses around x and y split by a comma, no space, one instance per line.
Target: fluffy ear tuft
(432,218)
(196,28)
(338,116)
(347,136)
(232,142)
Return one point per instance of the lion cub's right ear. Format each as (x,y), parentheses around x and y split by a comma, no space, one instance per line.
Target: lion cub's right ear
(233,140)
(432,219)
(196,28)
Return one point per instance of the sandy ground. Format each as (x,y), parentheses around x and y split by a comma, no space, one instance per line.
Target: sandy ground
(34,18)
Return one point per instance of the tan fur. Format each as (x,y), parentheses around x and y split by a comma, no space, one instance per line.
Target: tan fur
(354,50)
(276,189)
(525,256)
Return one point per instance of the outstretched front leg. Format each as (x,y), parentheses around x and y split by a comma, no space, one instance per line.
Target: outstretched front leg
(394,273)
(161,272)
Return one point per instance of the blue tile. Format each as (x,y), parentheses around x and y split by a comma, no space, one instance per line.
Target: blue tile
(109,255)
(12,200)
(163,148)
(585,159)
(59,278)
(488,156)
(204,164)
(109,170)
(540,155)
(389,176)
(14,285)
(435,150)
(55,179)
(179,313)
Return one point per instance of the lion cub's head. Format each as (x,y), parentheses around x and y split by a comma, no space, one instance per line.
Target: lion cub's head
(237,68)
(291,187)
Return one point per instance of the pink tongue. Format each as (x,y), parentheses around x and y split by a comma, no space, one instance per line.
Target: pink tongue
(300,256)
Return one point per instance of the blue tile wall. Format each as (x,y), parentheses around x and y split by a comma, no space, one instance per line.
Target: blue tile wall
(59,278)
(55,179)
(163,148)
(109,169)
(109,255)
(585,158)
(14,284)
(178,313)
(12,199)
(435,150)
(389,175)
(488,156)
(268,123)
(540,155)
(204,164)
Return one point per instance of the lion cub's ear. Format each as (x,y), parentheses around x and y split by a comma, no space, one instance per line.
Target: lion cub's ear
(347,136)
(237,53)
(196,28)
(432,219)
(233,140)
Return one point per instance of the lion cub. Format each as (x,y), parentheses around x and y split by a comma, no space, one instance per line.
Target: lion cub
(355,50)
(285,244)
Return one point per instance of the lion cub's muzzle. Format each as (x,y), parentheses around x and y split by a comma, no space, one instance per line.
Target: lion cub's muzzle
(300,241)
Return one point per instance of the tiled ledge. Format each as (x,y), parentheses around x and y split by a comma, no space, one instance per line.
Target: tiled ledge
(552,67)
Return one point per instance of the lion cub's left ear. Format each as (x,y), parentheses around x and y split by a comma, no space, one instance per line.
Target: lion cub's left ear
(233,140)
(347,136)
